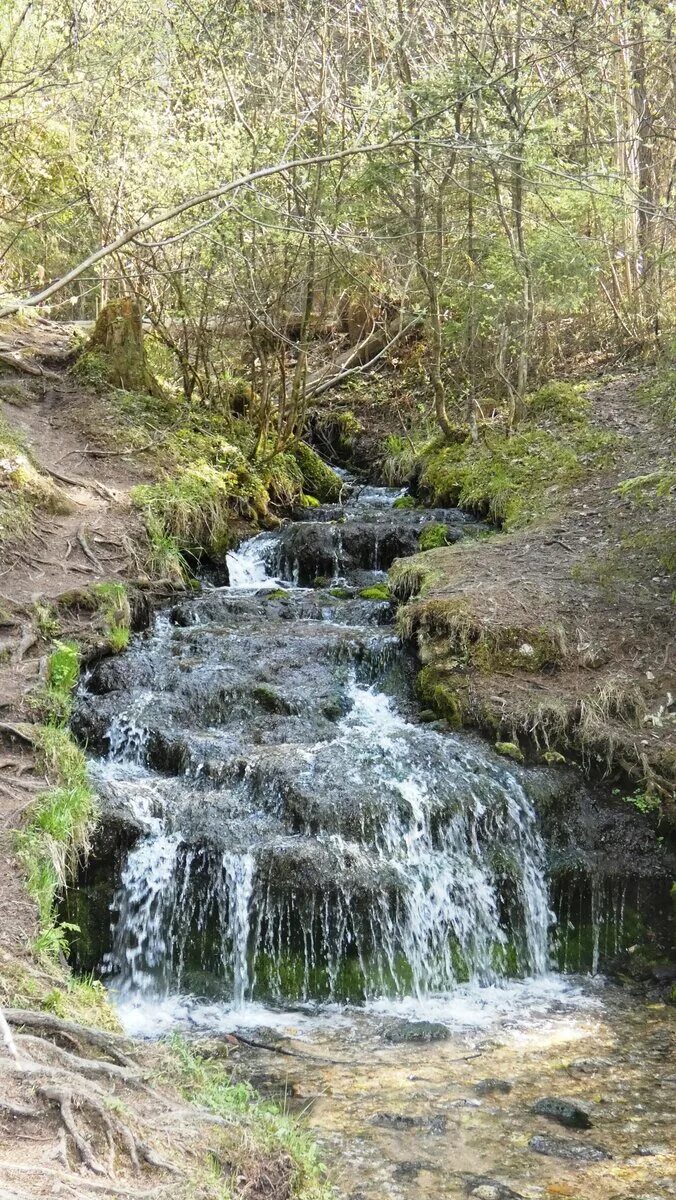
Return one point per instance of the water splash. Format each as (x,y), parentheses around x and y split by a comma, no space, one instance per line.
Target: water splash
(248,566)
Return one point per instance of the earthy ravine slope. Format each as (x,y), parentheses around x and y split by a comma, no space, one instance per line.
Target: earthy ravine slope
(557,639)
(83,1111)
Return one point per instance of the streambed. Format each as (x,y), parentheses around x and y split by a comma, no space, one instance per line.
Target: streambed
(285,845)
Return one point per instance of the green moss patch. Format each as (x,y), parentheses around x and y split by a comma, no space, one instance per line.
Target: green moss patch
(514,480)
(439,692)
(379,591)
(318,479)
(433,536)
(510,750)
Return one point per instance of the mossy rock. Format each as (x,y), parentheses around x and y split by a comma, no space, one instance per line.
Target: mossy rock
(553,758)
(379,591)
(271,700)
(341,593)
(432,536)
(560,401)
(439,694)
(318,478)
(405,502)
(510,750)
(115,354)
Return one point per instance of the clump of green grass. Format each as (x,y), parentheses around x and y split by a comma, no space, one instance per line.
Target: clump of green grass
(432,536)
(47,620)
(113,604)
(57,832)
(53,701)
(401,465)
(273,1136)
(193,510)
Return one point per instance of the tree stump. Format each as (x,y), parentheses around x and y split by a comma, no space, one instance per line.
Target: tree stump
(118,340)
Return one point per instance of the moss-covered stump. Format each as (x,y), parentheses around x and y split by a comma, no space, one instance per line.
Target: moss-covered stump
(115,353)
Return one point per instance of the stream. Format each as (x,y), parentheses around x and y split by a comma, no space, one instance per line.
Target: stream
(288,845)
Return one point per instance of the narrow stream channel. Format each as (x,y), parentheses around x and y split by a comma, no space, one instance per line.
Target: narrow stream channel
(286,844)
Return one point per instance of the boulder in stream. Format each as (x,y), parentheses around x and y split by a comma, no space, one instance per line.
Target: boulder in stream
(565,1148)
(489,1087)
(566,1112)
(482,1187)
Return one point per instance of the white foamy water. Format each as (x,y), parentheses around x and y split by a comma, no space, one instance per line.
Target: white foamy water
(522,1008)
(247,566)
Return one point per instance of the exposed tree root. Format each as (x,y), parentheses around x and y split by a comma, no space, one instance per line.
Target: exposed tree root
(47,1022)
(73,1085)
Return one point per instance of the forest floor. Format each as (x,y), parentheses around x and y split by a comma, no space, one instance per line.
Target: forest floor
(559,637)
(84,1112)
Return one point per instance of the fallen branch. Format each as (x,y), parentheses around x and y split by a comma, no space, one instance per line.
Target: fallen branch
(319,388)
(223,189)
(12,359)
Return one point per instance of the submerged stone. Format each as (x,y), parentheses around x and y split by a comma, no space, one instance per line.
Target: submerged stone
(566,1112)
(487,1087)
(482,1187)
(416,1031)
(563,1148)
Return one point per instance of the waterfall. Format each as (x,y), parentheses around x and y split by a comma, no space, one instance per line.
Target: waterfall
(303,837)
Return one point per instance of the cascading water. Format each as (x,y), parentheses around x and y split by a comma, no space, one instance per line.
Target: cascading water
(297,833)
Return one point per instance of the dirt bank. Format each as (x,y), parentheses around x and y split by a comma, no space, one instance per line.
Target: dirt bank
(557,639)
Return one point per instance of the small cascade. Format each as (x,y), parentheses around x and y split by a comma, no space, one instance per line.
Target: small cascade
(247,567)
(127,739)
(296,834)
(434,874)
(141,953)
(239,871)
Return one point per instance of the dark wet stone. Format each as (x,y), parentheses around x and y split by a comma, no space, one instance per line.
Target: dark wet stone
(487,1087)
(482,1187)
(563,1148)
(411,1169)
(438,1124)
(590,1066)
(566,1112)
(465,1103)
(416,1031)
(397,1121)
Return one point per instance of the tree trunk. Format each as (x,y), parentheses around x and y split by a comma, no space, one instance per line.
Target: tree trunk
(118,340)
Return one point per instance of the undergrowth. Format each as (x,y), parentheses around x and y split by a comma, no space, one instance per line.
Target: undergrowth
(56,834)
(269,1140)
(512,479)
(22,487)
